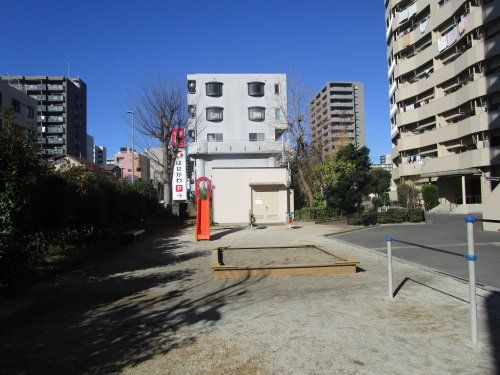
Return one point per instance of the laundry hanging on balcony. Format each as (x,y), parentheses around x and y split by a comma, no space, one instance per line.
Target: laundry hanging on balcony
(452,36)
(442,43)
(412,9)
(423,25)
(462,24)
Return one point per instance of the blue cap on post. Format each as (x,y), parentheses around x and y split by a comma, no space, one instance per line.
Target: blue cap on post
(388,238)
(470,219)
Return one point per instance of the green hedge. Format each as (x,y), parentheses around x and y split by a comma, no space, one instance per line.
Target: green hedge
(393,215)
(316,214)
(44,211)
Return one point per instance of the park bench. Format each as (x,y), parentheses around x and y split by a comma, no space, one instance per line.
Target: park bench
(132,235)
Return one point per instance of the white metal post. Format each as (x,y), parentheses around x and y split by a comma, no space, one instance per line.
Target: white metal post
(471,258)
(389,266)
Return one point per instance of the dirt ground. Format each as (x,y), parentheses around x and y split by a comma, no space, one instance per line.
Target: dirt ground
(153,308)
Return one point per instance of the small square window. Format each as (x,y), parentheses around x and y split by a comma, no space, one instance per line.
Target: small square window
(256,137)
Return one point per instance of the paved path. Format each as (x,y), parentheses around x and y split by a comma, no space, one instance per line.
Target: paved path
(439,245)
(153,308)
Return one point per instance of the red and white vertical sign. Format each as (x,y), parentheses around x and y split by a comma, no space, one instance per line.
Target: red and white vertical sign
(179,177)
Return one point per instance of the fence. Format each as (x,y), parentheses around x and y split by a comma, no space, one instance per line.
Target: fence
(317,214)
(471,259)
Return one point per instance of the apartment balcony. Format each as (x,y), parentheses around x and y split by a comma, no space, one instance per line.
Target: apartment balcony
(391,68)
(437,166)
(388,30)
(55,118)
(38,97)
(52,151)
(347,105)
(37,87)
(55,98)
(413,63)
(392,88)
(42,118)
(55,108)
(234,147)
(55,87)
(470,57)
(54,129)
(394,131)
(474,89)
(55,140)
(480,122)
(394,109)
(340,88)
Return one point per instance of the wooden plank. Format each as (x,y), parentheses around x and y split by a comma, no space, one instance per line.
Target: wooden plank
(300,271)
(228,248)
(216,266)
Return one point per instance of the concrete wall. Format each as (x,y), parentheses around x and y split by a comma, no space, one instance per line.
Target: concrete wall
(491,210)
(232,192)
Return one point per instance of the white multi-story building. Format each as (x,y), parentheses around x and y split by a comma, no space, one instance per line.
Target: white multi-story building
(236,120)
(236,126)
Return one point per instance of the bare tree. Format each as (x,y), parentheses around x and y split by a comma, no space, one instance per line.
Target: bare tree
(161,110)
(294,104)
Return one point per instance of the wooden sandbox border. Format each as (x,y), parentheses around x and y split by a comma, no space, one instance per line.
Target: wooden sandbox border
(222,271)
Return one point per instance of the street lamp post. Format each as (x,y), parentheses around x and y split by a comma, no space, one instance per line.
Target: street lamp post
(132,157)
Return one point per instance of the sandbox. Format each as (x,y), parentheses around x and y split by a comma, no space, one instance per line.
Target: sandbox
(295,260)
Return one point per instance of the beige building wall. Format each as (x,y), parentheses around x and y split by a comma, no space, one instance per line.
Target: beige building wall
(236,189)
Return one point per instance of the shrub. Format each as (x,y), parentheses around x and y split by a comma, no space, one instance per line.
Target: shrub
(430,195)
(354,219)
(416,216)
(383,218)
(377,202)
(362,219)
(369,218)
(397,215)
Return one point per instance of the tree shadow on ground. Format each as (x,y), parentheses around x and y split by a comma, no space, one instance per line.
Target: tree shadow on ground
(119,312)
(219,235)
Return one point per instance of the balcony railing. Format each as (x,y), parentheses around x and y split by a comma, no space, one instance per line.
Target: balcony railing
(55,108)
(58,98)
(55,118)
(34,87)
(55,87)
(55,140)
(55,129)
(394,109)
(391,68)
(392,88)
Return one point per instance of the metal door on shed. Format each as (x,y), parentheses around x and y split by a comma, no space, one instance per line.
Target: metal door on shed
(265,204)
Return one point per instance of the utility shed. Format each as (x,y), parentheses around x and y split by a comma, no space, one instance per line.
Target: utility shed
(263,191)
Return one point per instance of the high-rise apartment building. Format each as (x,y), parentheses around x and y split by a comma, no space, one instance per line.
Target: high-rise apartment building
(338,116)
(99,155)
(444,90)
(89,155)
(62,112)
(385,159)
(22,105)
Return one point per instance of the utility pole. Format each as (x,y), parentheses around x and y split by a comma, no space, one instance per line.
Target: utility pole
(132,153)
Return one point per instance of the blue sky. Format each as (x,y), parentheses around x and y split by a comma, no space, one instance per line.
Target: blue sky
(114,46)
